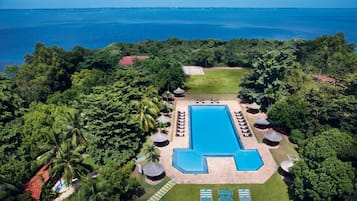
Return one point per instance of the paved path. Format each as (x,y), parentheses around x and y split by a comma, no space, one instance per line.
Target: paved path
(222,170)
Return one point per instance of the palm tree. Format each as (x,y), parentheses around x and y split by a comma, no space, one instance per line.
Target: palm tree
(93,189)
(146,113)
(64,153)
(69,164)
(74,129)
(151,152)
(52,148)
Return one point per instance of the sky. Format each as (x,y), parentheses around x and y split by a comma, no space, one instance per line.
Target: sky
(31,4)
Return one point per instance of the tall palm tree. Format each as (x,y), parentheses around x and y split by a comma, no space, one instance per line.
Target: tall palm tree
(69,163)
(151,152)
(146,113)
(64,153)
(52,148)
(74,129)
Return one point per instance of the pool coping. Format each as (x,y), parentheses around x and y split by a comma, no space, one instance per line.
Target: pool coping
(221,170)
(204,156)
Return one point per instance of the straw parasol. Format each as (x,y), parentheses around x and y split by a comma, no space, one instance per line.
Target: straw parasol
(163,119)
(153,169)
(167,95)
(261,121)
(287,165)
(179,91)
(159,137)
(272,136)
(254,106)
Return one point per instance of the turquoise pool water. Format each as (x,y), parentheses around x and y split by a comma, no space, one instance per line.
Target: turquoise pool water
(213,134)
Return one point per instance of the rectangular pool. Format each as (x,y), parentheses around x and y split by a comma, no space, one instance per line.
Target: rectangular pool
(213,134)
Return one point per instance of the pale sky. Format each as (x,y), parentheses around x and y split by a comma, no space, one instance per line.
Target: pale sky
(19,4)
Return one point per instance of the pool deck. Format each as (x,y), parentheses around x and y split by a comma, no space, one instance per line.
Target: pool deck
(222,170)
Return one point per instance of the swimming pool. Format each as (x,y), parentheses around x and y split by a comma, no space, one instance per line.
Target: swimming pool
(213,134)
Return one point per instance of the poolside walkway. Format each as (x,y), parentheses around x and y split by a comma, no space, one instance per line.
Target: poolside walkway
(222,170)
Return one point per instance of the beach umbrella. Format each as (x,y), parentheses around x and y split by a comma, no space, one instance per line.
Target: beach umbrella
(179,91)
(287,165)
(261,121)
(253,106)
(153,169)
(159,137)
(167,95)
(273,136)
(163,119)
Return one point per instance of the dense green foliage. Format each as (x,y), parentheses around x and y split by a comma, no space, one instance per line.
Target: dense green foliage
(66,108)
(113,183)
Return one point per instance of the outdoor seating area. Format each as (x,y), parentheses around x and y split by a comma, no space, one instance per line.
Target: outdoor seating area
(180,131)
(244,194)
(206,195)
(243,124)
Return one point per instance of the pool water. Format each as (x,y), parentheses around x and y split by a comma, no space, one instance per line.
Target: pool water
(213,134)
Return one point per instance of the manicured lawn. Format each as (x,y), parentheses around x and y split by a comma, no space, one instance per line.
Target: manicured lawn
(274,189)
(216,81)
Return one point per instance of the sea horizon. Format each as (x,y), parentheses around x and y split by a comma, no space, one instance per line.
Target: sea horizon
(21,29)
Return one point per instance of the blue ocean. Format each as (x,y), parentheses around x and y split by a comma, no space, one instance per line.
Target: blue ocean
(97,28)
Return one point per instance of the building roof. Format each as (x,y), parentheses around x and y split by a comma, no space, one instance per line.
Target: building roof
(324,78)
(36,182)
(130,60)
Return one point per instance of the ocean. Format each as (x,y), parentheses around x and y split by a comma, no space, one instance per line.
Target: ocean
(97,28)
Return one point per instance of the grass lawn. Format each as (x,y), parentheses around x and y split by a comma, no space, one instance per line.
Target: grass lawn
(216,81)
(274,189)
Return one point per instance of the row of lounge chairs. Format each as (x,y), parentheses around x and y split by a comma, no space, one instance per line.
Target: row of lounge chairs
(203,101)
(225,195)
(180,131)
(243,124)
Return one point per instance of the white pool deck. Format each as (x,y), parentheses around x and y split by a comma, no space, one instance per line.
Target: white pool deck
(221,170)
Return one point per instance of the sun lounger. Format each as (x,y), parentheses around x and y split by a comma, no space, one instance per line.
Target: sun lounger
(181,120)
(225,195)
(206,195)
(242,123)
(244,194)
(181,126)
(180,134)
(244,127)
(247,134)
(241,120)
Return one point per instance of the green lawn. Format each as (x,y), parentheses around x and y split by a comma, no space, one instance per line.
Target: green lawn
(274,189)
(216,81)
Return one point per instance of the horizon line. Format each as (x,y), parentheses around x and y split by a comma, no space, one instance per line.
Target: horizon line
(175,7)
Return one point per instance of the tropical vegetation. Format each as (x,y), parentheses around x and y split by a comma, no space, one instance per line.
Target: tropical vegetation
(79,111)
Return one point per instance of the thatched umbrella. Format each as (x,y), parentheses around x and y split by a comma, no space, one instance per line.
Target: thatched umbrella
(167,95)
(261,121)
(153,169)
(163,119)
(159,137)
(179,91)
(287,165)
(254,106)
(273,136)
